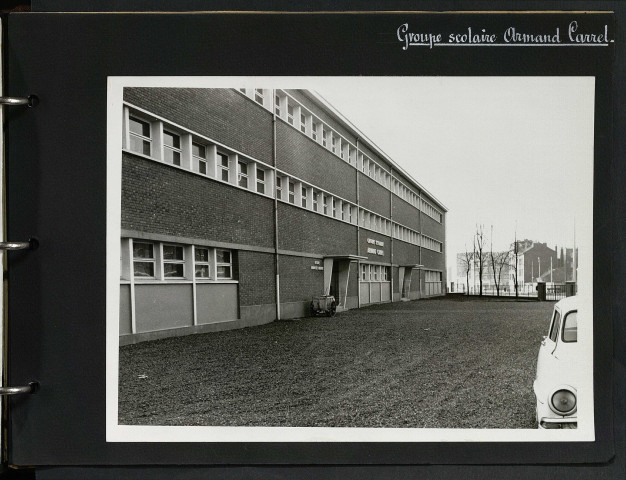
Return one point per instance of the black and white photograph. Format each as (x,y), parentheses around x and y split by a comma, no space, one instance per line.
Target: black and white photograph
(371,259)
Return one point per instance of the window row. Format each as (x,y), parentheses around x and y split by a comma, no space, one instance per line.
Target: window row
(294,191)
(375,222)
(161,141)
(375,273)
(405,193)
(432,276)
(147,260)
(406,234)
(370,168)
(431,244)
(299,117)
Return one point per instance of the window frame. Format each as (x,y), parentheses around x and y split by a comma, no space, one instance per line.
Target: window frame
(223,264)
(176,261)
(575,312)
(177,152)
(152,260)
(143,138)
(555,326)
(202,263)
(224,168)
(259,93)
(200,160)
(260,183)
(242,176)
(291,192)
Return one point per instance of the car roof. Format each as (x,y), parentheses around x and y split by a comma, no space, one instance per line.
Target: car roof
(568,303)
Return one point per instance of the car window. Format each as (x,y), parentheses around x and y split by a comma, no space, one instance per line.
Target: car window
(570,327)
(556,323)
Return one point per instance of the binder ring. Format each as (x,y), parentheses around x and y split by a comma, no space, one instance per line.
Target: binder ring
(29,101)
(17,245)
(30,388)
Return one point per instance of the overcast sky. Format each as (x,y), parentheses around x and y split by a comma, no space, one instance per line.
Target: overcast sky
(501,151)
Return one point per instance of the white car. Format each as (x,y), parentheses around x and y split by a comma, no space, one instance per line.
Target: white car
(557,377)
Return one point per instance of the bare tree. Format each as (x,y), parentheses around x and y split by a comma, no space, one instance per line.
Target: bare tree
(499,260)
(467,266)
(480,255)
(515,256)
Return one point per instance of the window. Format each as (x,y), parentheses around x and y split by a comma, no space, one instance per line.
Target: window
(199,155)
(290,113)
(363,272)
(570,327)
(277,105)
(334,207)
(223,166)
(325,202)
(556,323)
(202,263)
(279,187)
(292,192)
(314,131)
(140,139)
(171,148)
(173,261)
(303,123)
(334,144)
(260,180)
(258,95)
(324,137)
(304,192)
(224,262)
(242,174)
(315,206)
(376,270)
(143,259)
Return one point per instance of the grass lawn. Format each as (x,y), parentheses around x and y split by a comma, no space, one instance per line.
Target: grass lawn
(436,363)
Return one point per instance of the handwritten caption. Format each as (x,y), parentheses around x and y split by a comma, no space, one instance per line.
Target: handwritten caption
(510,36)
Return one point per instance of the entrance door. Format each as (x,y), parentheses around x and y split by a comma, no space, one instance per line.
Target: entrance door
(406,285)
(334,282)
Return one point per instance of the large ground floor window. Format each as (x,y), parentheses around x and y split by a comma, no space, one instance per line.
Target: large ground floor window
(432,282)
(375,283)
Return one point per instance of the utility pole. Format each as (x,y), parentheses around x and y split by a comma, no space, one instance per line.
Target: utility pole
(539,272)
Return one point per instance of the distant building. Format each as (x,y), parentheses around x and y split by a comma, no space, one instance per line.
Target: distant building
(535,261)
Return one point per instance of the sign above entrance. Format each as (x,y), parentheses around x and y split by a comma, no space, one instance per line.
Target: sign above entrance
(373,241)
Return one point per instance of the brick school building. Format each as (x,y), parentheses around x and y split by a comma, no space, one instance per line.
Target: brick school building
(240,205)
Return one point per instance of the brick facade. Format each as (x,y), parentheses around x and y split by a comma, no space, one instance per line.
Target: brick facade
(220,114)
(302,157)
(299,283)
(203,209)
(374,197)
(178,203)
(257,279)
(308,232)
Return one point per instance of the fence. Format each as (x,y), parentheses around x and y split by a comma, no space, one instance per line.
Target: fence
(553,291)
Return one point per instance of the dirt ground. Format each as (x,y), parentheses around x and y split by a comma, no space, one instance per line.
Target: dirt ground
(434,363)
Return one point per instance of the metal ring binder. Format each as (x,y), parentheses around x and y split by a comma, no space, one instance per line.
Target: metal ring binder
(30,388)
(29,101)
(16,245)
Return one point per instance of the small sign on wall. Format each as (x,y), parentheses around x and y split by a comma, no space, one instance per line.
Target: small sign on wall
(316,267)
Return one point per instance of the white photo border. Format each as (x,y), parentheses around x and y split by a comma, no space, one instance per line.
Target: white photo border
(130,433)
